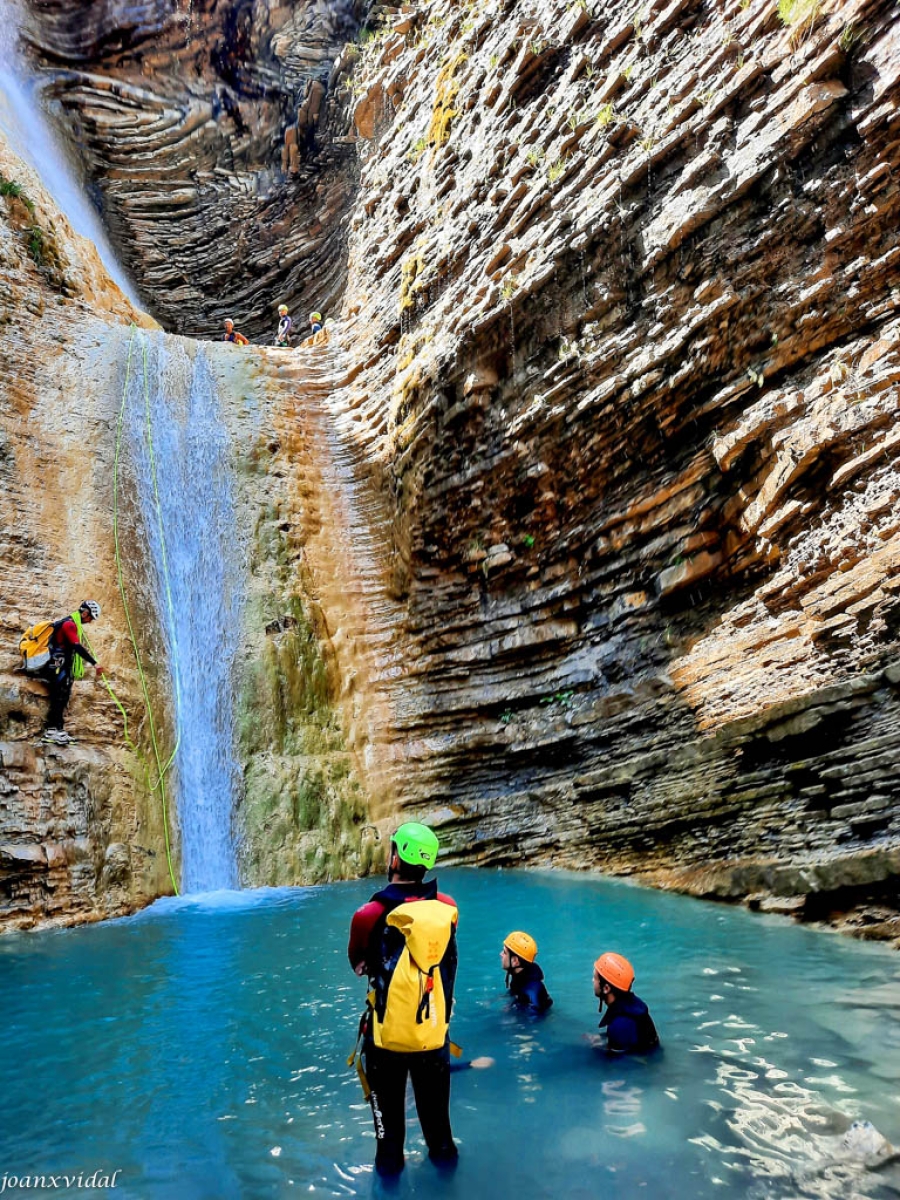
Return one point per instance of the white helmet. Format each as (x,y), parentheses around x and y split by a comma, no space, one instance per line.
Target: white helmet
(93,608)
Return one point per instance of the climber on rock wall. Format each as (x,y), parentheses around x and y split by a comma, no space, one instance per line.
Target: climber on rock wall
(285,325)
(67,658)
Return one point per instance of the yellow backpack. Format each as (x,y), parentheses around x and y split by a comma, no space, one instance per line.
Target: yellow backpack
(34,646)
(408,1004)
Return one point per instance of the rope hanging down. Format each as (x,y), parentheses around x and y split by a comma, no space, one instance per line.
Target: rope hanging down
(161,768)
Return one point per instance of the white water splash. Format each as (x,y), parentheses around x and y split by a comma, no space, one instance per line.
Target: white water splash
(198,606)
(29,133)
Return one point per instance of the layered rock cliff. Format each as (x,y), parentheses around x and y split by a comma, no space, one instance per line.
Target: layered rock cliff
(591,499)
(204,129)
(80,835)
(84,829)
(621,299)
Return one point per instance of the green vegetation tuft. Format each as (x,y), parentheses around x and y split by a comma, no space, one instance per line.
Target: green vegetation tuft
(799,15)
(303,812)
(36,245)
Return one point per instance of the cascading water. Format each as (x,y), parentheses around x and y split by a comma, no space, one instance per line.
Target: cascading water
(25,126)
(178,449)
(183,492)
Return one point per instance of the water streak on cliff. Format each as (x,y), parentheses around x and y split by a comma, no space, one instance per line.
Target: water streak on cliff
(178,449)
(23,122)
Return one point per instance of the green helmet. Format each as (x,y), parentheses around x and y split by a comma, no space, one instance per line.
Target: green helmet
(416,844)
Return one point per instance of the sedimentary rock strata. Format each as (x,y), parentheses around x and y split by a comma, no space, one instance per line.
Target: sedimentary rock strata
(592,496)
(203,128)
(80,835)
(622,297)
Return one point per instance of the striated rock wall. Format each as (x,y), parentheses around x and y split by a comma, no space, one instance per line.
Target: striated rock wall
(301,814)
(622,303)
(586,519)
(203,130)
(80,837)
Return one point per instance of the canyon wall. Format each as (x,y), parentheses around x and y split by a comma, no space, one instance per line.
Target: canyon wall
(81,835)
(622,297)
(85,831)
(579,535)
(204,131)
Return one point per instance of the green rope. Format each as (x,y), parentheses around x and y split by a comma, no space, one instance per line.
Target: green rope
(118,703)
(160,770)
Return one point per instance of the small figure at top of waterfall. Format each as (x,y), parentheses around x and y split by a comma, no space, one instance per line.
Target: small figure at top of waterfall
(524,978)
(285,326)
(66,656)
(628,1024)
(232,334)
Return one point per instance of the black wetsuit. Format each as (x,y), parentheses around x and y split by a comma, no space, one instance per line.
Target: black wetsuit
(629,1026)
(527,988)
(57,674)
(387,1070)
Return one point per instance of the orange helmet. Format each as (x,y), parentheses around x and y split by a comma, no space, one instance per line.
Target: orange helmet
(616,970)
(522,945)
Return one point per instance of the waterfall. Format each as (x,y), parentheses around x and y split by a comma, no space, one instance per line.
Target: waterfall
(29,133)
(178,450)
(178,461)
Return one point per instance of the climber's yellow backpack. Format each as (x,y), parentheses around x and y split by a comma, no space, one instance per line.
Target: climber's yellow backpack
(408,1005)
(34,646)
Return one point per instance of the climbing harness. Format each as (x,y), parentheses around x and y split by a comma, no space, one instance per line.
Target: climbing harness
(161,768)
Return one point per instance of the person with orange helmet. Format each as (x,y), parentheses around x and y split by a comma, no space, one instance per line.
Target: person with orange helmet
(627,1021)
(524,978)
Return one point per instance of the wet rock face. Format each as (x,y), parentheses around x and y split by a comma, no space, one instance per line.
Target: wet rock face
(202,128)
(594,493)
(80,835)
(622,296)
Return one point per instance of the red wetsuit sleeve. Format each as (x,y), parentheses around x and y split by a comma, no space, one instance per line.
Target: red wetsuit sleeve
(361,927)
(449,900)
(68,632)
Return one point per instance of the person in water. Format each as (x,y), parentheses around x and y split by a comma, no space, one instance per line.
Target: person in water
(627,1022)
(524,978)
(315,322)
(405,938)
(285,325)
(232,335)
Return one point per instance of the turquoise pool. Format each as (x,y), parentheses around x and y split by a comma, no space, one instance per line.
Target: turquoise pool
(199,1049)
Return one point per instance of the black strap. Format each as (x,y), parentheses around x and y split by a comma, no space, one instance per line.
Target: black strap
(424,1009)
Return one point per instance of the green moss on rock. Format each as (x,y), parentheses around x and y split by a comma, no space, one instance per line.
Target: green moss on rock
(303,812)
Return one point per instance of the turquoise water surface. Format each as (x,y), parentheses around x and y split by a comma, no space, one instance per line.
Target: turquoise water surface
(199,1049)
